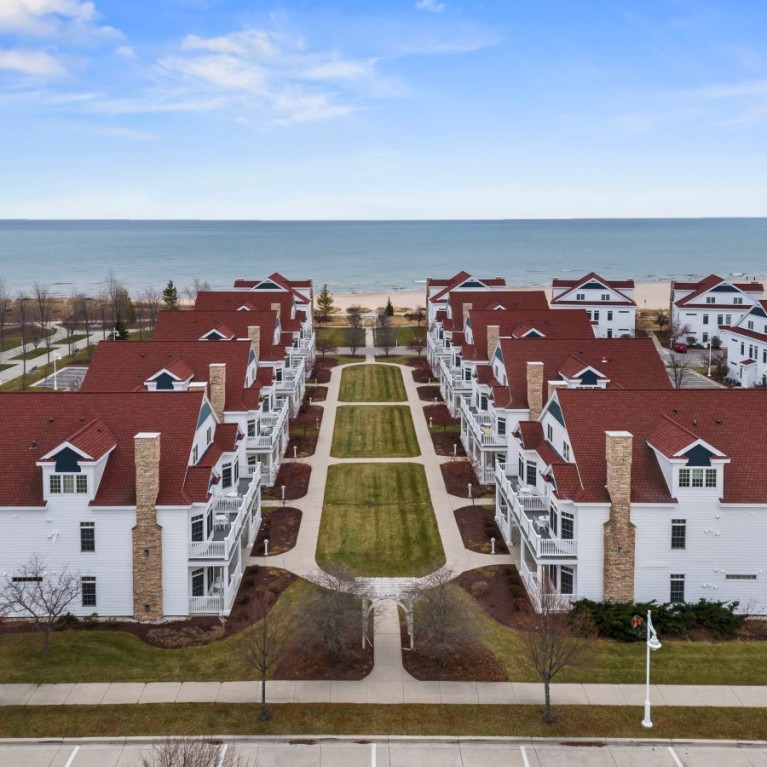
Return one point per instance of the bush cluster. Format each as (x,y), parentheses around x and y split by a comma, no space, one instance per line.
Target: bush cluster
(614,620)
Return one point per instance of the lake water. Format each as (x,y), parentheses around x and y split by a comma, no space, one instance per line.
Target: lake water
(354,256)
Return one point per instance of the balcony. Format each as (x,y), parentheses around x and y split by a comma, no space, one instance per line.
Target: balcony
(230,514)
(530,513)
(270,426)
(482,426)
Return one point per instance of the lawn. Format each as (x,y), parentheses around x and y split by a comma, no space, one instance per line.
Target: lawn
(43,369)
(372,383)
(354,719)
(374,431)
(341,336)
(378,520)
(402,335)
(34,353)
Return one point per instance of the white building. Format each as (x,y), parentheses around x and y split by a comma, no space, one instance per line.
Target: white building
(707,306)
(638,495)
(145,496)
(746,345)
(610,303)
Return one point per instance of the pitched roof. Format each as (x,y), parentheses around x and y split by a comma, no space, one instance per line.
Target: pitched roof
(281,281)
(565,323)
(614,284)
(94,439)
(32,424)
(124,367)
(706,284)
(495,300)
(454,282)
(192,326)
(626,362)
(229,300)
(731,421)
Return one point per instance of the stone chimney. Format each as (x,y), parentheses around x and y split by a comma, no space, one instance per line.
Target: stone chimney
(493,331)
(535,389)
(254,334)
(276,308)
(147,534)
(466,309)
(619,531)
(217,388)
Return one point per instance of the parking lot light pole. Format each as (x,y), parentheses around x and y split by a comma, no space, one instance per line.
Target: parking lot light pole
(653,643)
(55,374)
(708,343)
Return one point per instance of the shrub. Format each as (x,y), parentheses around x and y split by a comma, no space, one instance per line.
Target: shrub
(67,621)
(614,620)
(480,589)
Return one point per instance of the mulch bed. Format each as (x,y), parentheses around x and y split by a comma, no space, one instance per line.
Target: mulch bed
(303,661)
(447,442)
(315,394)
(304,431)
(280,527)
(439,415)
(477,526)
(499,591)
(457,475)
(321,371)
(469,662)
(423,375)
(295,476)
(428,393)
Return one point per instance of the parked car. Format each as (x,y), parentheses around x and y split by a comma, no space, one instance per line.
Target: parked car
(680,347)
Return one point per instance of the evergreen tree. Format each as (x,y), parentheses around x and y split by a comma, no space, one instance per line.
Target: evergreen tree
(170,296)
(324,304)
(121,330)
(389,310)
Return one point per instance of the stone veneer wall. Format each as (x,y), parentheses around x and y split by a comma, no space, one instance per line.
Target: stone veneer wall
(493,331)
(619,531)
(147,534)
(535,389)
(217,388)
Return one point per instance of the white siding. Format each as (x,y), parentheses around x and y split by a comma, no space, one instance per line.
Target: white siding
(589,532)
(176,534)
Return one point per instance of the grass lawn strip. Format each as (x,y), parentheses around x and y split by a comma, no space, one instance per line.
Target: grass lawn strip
(374,431)
(367,719)
(372,383)
(378,520)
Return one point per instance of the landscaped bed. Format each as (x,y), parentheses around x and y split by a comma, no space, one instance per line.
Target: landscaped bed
(422,374)
(316,394)
(304,431)
(280,527)
(372,383)
(294,477)
(458,474)
(429,394)
(374,431)
(478,527)
(377,519)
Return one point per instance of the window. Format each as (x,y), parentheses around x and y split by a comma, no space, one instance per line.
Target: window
(719,319)
(764,356)
(88,590)
(705,319)
(566,451)
(521,467)
(580,296)
(676,590)
(69,483)
(549,432)
(27,579)
(595,315)
(195,454)
(739,577)
(197,528)
(236,471)
(568,526)
(750,324)
(209,435)
(252,427)
(198,583)
(710,300)
(566,580)
(705,338)
(226,475)
(678,533)
(742,348)
(501,427)
(728,319)
(605,296)
(609,316)
(697,477)
(209,523)
(483,401)
(531,473)
(737,300)
(87,536)
(252,462)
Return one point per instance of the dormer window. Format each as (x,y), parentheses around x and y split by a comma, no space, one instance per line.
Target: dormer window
(605,296)
(580,296)
(737,300)
(68,483)
(710,299)
(697,478)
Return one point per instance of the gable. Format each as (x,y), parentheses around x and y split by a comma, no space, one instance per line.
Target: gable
(205,412)
(698,456)
(758,311)
(556,411)
(268,285)
(164,381)
(724,287)
(588,377)
(214,335)
(533,334)
(593,285)
(67,461)
(472,283)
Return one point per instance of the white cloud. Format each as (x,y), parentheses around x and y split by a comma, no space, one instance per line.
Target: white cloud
(432,6)
(75,20)
(34,63)
(127,133)
(126,52)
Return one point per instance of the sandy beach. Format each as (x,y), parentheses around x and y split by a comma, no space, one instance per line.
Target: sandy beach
(648,295)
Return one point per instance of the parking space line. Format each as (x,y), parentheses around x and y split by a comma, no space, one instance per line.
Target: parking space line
(523,751)
(676,759)
(372,755)
(72,757)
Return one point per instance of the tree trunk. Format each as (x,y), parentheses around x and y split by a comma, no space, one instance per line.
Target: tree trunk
(47,638)
(265,715)
(547,715)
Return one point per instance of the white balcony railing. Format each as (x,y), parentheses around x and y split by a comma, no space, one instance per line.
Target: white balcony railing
(208,604)
(483,428)
(236,510)
(270,426)
(530,513)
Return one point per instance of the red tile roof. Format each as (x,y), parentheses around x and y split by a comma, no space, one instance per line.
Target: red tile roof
(453,282)
(731,421)
(192,326)
(283,282)
(491,300)
(123,367)
(670,437)
(32,424)
(617,285)
(95,439)
(627,362)
(228,300)
(704,285)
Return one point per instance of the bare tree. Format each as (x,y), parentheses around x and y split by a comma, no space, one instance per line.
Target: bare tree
(5,306)
(21,310)
(557,638)
(198,284)
(331,615)
(679,369)
(416,345)
(33,591)
(261,649)
(152,299)
(324,345)
(44,305)
(678,330)
(418,316)
(192,752)
(442,620)
(354,316)
(386,335)
(719,363)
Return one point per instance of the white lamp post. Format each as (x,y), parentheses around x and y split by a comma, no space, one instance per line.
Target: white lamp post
(653,643)
(708,344)
(55,374)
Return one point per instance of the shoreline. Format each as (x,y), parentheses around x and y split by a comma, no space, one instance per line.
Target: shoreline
(648,295)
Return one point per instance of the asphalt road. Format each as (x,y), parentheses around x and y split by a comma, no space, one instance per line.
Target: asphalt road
(404,752)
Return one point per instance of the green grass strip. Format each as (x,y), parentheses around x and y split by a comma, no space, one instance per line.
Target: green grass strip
(372,383)
(374,431)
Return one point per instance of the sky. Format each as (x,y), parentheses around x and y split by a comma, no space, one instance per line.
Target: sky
(396,109)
